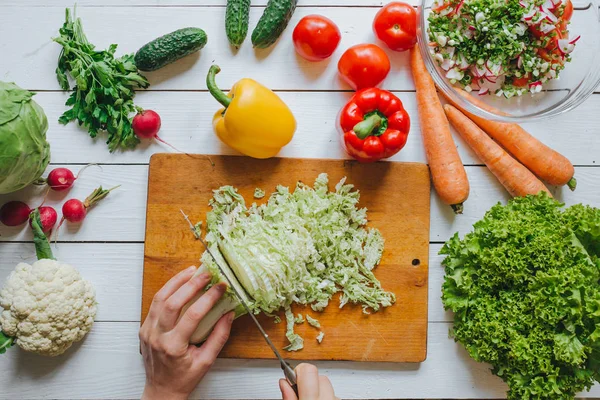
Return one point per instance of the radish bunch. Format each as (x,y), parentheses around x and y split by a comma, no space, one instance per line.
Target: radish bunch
(16,213)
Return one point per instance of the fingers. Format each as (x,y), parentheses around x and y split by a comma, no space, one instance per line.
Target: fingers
(325,388)
(174,304)
(197,311)
(287,393)
(307,376)
(208,352)
(166,291)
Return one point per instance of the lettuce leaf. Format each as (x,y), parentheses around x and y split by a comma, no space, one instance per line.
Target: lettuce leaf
(524,289)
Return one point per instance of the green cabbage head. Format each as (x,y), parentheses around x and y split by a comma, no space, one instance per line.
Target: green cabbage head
(24,151)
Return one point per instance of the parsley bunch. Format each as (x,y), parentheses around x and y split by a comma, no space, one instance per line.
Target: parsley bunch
(524,288)
(102,99)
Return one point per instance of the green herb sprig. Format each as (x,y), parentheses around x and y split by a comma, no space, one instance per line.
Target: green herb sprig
(102,99)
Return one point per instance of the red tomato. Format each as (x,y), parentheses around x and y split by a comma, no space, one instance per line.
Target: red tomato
(535,30)
(553,57)
(522,81)
(363,66)
(561,25)
(396,25)
(316,37)
(568,12)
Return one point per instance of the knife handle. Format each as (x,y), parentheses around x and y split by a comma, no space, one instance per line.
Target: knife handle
(290,376)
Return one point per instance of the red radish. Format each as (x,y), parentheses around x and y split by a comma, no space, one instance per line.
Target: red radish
(60,179)
(48,216)
(75,210)
(146,125)
(14,213)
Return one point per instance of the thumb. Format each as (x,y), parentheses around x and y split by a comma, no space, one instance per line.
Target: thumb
(286,390)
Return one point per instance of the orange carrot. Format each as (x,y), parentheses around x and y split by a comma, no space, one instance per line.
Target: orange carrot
(515,177)
(547,164)
(447,170)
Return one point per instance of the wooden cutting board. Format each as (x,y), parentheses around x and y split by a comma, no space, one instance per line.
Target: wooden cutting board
(397,198)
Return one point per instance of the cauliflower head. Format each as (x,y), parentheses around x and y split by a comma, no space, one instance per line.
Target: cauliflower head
(47,306)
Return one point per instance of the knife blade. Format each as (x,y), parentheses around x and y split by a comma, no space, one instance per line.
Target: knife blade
(288,371)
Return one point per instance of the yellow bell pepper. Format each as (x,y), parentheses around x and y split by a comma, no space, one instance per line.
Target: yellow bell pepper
(255,121)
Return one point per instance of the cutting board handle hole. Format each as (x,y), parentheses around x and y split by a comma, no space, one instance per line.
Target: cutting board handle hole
(416,262)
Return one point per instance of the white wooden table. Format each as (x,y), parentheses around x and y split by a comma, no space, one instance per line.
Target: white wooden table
(108,247)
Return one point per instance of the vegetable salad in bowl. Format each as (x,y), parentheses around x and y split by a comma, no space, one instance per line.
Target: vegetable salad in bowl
(512,60)
(501,47)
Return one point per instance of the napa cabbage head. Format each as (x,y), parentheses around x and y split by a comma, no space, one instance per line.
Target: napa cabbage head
(24,151)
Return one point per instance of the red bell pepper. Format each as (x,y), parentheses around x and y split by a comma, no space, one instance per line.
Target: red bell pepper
(374,125)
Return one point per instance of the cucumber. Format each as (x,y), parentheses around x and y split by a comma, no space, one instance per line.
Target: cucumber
(237,16)
(273,22)
(169,48)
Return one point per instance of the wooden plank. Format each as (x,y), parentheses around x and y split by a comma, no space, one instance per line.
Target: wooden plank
(107,365)
(31,60)
(212,3)
(120,216)
(186,125)
(192,3)
(117,218)
(402,216)
(114,269)
(103,264)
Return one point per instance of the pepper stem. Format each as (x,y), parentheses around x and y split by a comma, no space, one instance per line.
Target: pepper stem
(365,128)
(572,183)
(217,93)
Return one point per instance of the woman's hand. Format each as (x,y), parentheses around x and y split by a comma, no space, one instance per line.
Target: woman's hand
(311,385)
(173,366)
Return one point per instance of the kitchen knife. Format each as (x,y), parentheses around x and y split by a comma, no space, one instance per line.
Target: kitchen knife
(288,371)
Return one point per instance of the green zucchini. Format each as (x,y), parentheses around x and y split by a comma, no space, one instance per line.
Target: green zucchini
(169,48)
(273,22)
(237,16)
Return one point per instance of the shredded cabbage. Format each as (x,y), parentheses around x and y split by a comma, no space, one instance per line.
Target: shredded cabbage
(320,337)
(313,322)
(259,193)
(301,247)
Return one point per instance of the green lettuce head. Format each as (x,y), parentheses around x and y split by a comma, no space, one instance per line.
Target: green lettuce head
(24,151)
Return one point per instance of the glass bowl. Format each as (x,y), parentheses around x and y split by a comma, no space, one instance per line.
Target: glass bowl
(579,79)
